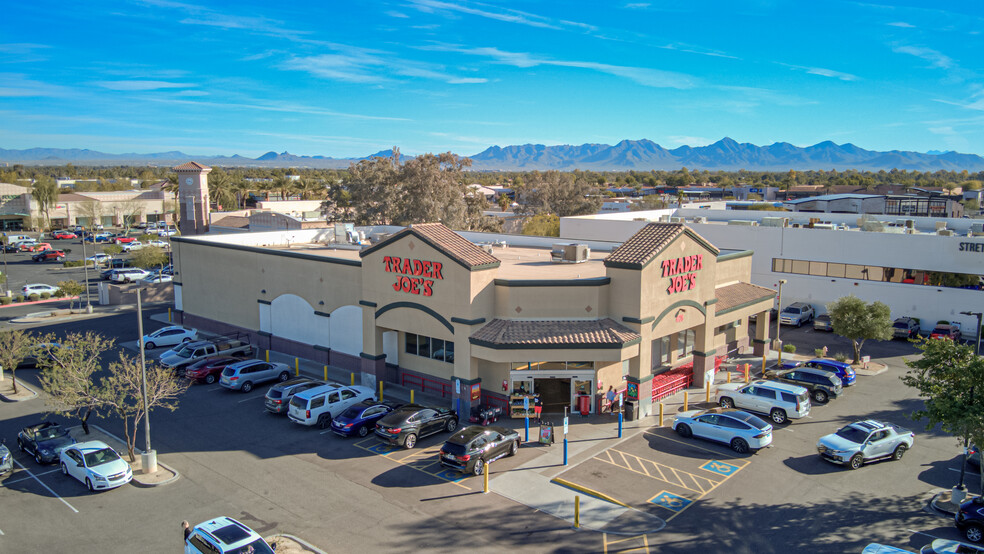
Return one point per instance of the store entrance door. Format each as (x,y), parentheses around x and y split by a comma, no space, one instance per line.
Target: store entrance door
(555,394)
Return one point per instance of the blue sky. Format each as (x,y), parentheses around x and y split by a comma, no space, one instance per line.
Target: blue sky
(348,79)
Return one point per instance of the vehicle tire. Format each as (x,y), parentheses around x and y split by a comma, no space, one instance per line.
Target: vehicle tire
(210,379)
(726,402)
(150,345)
(739,445)
(479,468)
(247,386)
(324,421)
(410,441)
(820,397)
(451,425)
(186,339)
(284,375)
(856,462)
(514,448)
(64,469)
(363,431)
(88,484)
(778,416)
(37,457)
(684,430)
(974,533)
(899,452)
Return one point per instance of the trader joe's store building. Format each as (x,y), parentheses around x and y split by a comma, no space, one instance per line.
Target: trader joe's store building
(478,321)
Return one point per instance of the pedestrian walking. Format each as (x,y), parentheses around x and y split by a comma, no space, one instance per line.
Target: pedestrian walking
(537,408)
(187,529)
(610,399)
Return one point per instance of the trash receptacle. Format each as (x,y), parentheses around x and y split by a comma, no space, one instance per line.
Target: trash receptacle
(631,411)
(584,404)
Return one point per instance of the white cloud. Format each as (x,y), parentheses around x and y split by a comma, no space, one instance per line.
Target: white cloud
(823,72)
(637,6)
(18,85)
(139,85)
(509,16)
(689,141)
(901,24)
(399,15)
(934,57)
(280,108)
(362,67)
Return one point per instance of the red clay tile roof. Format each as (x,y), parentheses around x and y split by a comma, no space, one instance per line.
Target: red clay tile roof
(648,242)
(191,166)
(599,333)
(458,248)
(733,296)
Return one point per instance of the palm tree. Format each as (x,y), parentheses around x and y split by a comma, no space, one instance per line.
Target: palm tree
(220,189)
(284,186)
(241,188)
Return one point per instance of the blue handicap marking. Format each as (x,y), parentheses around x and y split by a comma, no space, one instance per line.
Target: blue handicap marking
(670,501)
(720,468)
(383,449)
(450,475)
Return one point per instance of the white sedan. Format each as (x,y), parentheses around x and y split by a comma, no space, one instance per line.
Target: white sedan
(169,336)
(158,243)
(96,465)
(99,258)
(39,288)
(157,278)
(130,247)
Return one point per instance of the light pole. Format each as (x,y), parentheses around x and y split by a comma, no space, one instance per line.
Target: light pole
(779,324)
(85,268)
(148,460)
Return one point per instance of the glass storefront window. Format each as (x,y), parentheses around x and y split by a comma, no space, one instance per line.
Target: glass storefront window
(411,343)
(520,366)
(522,386)
(423,346)
(580,365)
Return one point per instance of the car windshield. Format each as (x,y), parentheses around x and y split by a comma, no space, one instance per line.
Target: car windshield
(100,457)
(942,330)
(852,434)
(259,546)
(185,351)
(901,325)
(791,310)
(352,413)
(50,433)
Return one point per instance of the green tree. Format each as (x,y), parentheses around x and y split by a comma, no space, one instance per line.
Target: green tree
(503,201)
(431,189)
(72,289)
(542,225)
(950,380)
(372,185)
(15,345)
(150,257)
(857,321)
(553,192)
(45,193)
(112,249)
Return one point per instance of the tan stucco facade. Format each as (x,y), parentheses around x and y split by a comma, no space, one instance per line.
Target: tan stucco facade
(422,310)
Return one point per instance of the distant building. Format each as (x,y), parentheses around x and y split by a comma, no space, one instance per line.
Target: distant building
(896,204)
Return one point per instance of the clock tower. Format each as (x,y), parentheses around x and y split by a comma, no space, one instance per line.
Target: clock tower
(192,198)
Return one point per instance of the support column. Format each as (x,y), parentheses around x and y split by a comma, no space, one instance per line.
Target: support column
(760,345)
(703,353)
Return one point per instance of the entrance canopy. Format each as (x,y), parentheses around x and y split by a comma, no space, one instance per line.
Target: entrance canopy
(597,333)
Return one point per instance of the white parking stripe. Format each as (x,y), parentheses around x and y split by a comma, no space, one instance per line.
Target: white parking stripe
(46,486)
(5,483)
(251,398)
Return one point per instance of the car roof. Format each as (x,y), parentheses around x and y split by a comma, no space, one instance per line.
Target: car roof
(244,363)
(798,305)
(868,425)
(468,434)
(227,530)
(327,387)
(90,445)
(786,387)
(834,363)
(742,415)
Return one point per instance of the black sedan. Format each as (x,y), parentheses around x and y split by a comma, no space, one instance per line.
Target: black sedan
(44,441)
(361,418)
(470,448)
(405,425)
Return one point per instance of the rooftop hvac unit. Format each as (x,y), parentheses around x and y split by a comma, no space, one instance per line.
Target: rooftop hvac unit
(676,220)
(774,222)
(570,253)
(910,223)
(487,248)
(940,225)
(944,233)
(743,222)
(976,229)
(700,219)
(664,219)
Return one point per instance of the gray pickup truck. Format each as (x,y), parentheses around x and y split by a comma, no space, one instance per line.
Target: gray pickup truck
(188,353)
(865,441)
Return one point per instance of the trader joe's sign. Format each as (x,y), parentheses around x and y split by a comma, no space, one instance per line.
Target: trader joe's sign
(416,276)
(682,272)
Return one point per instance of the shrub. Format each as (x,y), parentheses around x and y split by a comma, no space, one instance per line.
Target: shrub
(73,263)
(4,300)
(59,293)
(818,352)
(33,297)
(45,295)
(840,357)
(790,348)
(19,298)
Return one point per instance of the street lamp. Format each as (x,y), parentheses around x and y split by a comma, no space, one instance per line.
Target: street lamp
(148,460)
(85,268)
(979,316)
(779,324)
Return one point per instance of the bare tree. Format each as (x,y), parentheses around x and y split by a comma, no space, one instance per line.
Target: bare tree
(45,193)
(130,210)
(68,375)
(92,211)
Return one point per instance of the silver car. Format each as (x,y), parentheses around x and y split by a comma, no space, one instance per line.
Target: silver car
(277,399)
(243,376)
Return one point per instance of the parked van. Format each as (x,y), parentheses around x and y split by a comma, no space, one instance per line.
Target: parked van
(321,404)
(11,238)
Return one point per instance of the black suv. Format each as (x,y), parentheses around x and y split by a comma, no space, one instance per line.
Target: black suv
(406,424)
(970,519)
(822,385)
(469,449)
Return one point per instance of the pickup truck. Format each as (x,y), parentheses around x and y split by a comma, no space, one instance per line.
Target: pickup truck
(188,353)
(796,314)
(905,328)
(864,441)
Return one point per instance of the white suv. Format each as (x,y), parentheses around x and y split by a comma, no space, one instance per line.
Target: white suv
(224,534)
(128,275)
(781,401)
(321,404)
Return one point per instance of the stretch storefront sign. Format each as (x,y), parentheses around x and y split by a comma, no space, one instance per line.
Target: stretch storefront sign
(413,275)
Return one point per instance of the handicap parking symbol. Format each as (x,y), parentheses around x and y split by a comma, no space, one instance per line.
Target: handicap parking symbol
(720,468)
(450,475)
(671,501)
(383,449)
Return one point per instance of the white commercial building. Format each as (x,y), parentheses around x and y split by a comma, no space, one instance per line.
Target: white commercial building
(916,266)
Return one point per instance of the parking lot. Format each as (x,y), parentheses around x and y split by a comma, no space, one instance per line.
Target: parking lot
(353,495)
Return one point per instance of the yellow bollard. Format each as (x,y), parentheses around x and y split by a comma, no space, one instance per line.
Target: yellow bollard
(326,373)
(297,367)
(268,356)
(685,401)
(746,373)
(729,376)
(169,315)
(763,364)
(380,391)
(577,512)
(707,396)
(353,378)
(411,401)
(660,414)
(486,473)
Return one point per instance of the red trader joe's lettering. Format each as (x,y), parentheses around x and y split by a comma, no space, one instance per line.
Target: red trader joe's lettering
(418,269)
(676,267)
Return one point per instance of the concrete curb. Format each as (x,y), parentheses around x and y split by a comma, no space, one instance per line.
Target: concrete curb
(298,540)
(48,301)
(935,504)
(138,451)
(34,394)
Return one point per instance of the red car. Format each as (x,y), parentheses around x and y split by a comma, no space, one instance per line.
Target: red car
(36,247)
(63,235)
(46,255)
(941,331)
(208,370)
(124,240)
